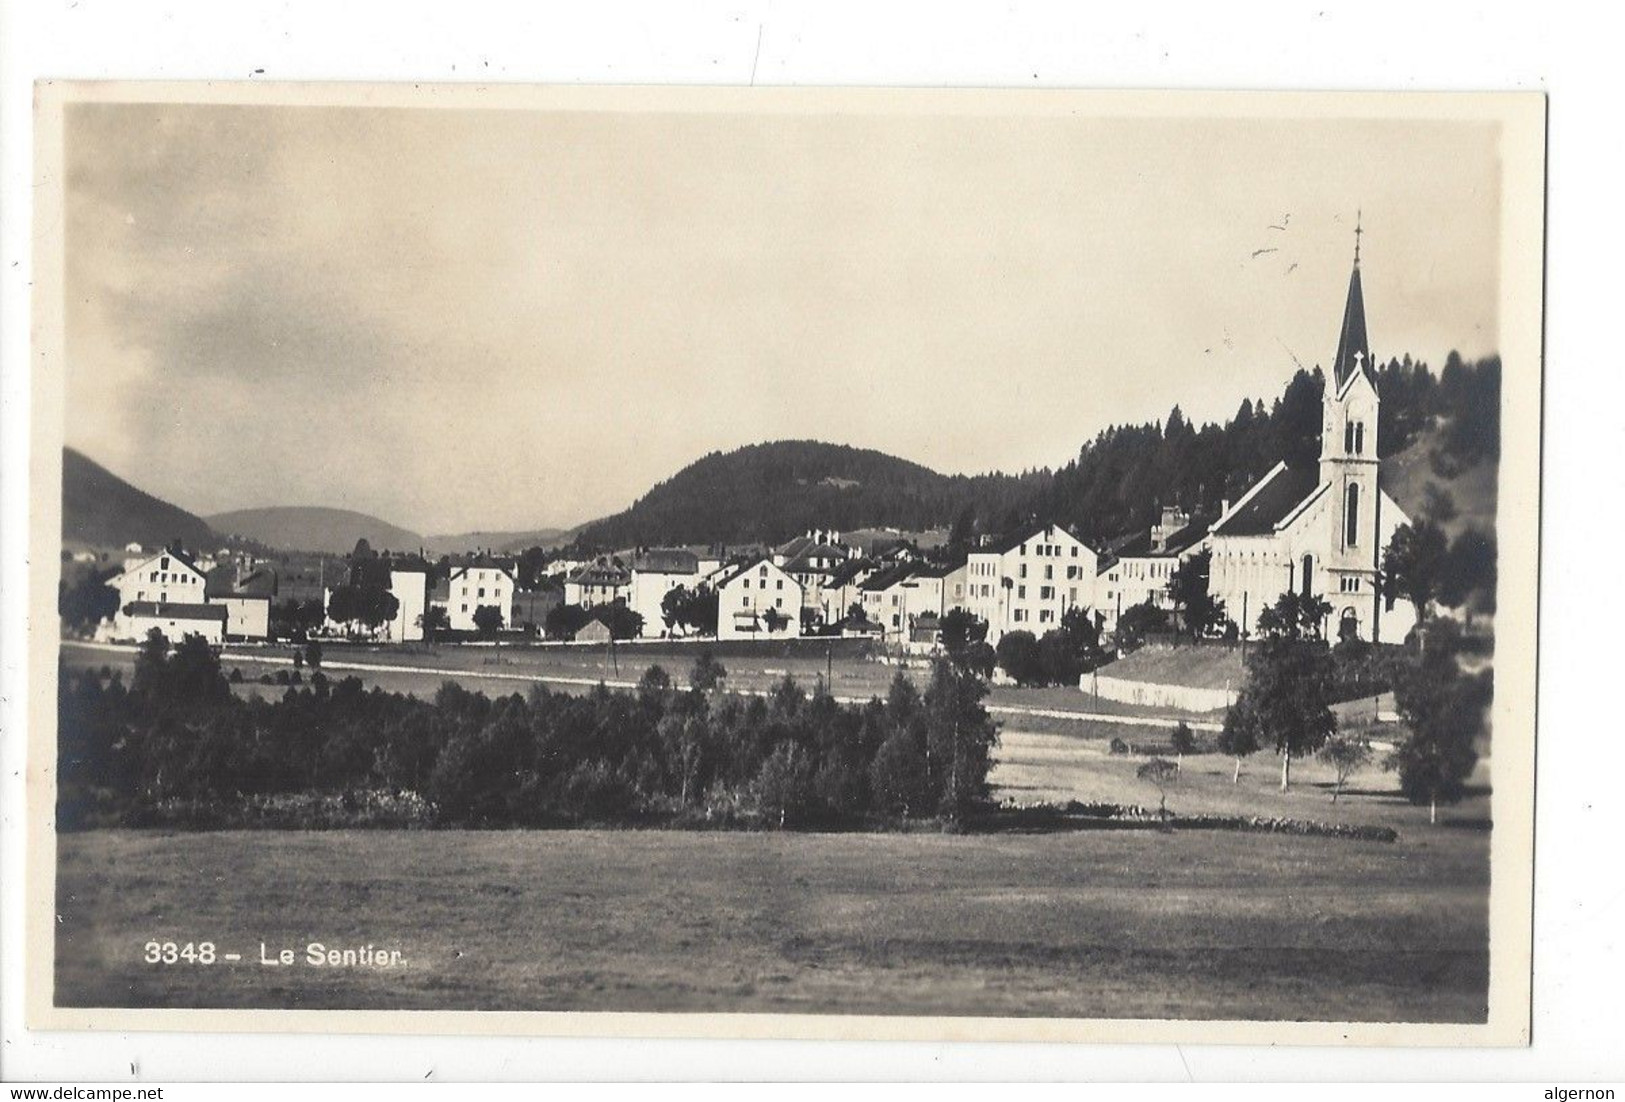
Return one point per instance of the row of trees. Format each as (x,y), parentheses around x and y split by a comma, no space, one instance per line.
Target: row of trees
(177,735)
(1285,705)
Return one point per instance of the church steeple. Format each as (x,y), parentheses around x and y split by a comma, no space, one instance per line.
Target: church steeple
(1353,352)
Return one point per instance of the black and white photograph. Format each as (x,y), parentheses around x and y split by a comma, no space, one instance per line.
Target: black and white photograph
(979,564)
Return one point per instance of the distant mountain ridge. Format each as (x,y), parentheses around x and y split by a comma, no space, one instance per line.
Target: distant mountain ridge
(313,528)
(101,509)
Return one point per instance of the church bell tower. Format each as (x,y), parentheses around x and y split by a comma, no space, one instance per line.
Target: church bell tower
(1348,441)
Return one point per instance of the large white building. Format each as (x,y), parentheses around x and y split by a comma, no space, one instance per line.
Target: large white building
(166,591)
(758,600)
(1320,529)
(482,581)
(655,573)
(1028,581)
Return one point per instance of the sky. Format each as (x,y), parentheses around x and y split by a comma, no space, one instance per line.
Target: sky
(460,319)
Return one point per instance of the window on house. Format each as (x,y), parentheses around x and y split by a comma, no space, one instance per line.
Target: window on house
(1047,592)
(1021,592)
(1049,572)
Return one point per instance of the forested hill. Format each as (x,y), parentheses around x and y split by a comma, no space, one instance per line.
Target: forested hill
(776,490)
(100,509)
(1115,484)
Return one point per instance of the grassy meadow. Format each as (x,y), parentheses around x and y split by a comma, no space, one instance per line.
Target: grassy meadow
(1137,923)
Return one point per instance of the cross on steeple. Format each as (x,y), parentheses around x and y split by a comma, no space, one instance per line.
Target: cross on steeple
(1357,232)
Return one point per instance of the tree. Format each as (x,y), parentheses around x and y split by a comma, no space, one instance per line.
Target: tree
(313,655)
(707,673)
(1345,753)
(1136,623)
(960,737)
(784,785)
(1162,773)
(1412,565)
(433,621)
(368,605)
(1444,710)
(1240,735)
(1467,575)
(488,620)
(89,601)
(775,621)
(622,622)
(1287,697)
(1199,611)
(563,621)
(959,630)
(1019,656)
(1183,742)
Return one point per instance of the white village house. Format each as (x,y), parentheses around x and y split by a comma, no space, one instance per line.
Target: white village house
(1026,582)
(1320,529)
(753,595)
(597,583)
(166,591)
(481,581)
(655,573)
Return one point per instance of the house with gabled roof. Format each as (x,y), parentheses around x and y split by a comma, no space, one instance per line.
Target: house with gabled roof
(482,580)
(1320,528)
(1028,580)
(756,599)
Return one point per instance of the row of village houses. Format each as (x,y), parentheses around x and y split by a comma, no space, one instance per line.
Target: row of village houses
(1311,527)
(1024,582)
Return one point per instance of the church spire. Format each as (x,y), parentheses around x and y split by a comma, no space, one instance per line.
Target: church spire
(1353,351)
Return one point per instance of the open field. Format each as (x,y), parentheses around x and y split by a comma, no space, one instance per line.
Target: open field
(1131,924)
(1199,924)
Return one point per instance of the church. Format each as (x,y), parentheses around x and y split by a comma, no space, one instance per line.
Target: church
(1321,528)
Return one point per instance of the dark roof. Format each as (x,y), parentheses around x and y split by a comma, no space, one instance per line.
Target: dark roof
(598,573)
(176,611)
(941,569)
(1137,545)
(890,577)
(667,560)
(1021,536)
(1279,494)
(482,561)
(223,581)
(847,571)
(1351,338)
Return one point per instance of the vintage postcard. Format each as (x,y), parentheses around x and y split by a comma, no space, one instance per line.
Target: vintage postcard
(787,563)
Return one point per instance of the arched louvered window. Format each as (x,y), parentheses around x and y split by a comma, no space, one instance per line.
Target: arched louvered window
(1351,514)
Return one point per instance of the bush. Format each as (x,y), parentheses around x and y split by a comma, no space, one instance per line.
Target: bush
(1118,746)
(1020,657)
